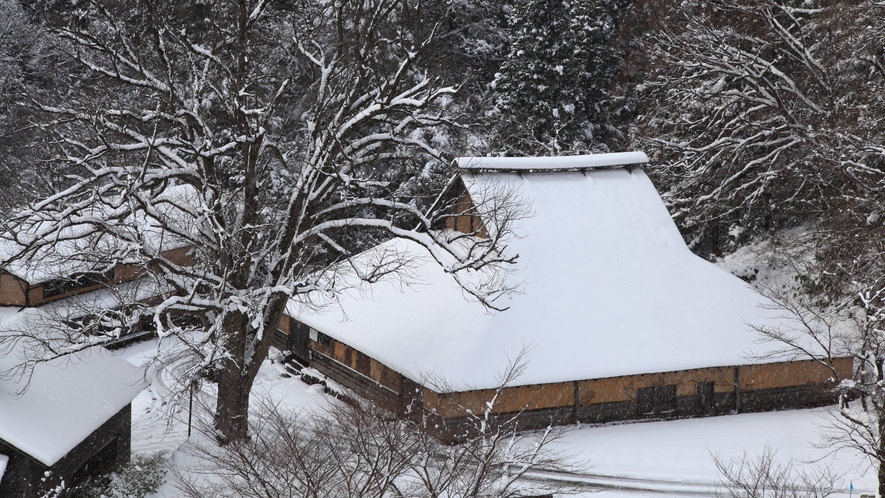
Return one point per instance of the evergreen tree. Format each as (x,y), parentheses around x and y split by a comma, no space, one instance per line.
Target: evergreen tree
(553,87)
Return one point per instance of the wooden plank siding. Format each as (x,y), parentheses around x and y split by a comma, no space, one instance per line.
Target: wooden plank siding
(465,219)
(459,211)
(694,392)
(360,363)
(13,290)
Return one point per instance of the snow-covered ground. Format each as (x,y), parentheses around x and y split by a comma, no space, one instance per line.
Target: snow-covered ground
(675,457)
(160,424)
(640,459)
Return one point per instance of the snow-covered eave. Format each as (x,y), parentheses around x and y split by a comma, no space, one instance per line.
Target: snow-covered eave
(26,272)
(581,163)
(428,379)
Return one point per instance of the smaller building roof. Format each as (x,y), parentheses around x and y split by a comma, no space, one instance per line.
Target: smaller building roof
(68,398)
(78,248)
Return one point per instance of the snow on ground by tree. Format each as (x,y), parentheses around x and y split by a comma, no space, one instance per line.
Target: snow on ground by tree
(636,459)
(160,413)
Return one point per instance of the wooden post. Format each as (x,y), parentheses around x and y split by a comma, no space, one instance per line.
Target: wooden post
(737,389)
(577,404)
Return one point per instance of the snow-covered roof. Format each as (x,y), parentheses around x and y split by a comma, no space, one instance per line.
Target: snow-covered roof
(3,460)
(79,249)
(609,288)
(68,398)
(590,161)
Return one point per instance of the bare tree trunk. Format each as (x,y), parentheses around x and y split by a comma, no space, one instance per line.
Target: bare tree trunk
(231,412)
(234,379)
(881,477)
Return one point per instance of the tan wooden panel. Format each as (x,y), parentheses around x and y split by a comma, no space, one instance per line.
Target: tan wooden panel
(845,367)
(617,389)
(35,295)
(376,370)
(339,350)
(511,399)
(12,290)
(179,256)
(284,324)
(126,273)
(605,390)
(785,374)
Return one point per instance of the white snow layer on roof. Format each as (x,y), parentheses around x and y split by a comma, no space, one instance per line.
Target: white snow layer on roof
(609,289)
(3,460)
(68,398)
(553,163)
(79,248)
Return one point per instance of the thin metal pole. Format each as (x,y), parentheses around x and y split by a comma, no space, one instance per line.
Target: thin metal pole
(190,411)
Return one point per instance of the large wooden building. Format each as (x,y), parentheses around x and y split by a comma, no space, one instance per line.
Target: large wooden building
(618,318)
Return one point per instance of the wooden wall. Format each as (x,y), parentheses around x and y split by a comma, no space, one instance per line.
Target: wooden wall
(692,392)
(462,217)
(12,290)
(726,380)
(359,362)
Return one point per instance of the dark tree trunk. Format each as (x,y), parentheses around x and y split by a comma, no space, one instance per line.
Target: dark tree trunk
(231,412)
(236,376)
(881,475)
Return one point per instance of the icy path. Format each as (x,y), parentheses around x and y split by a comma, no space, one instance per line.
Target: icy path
(158,424)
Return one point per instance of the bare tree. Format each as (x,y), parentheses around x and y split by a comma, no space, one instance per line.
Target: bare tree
(765,477)
(357,450)
(271,141)
(766,113)
(854,328)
